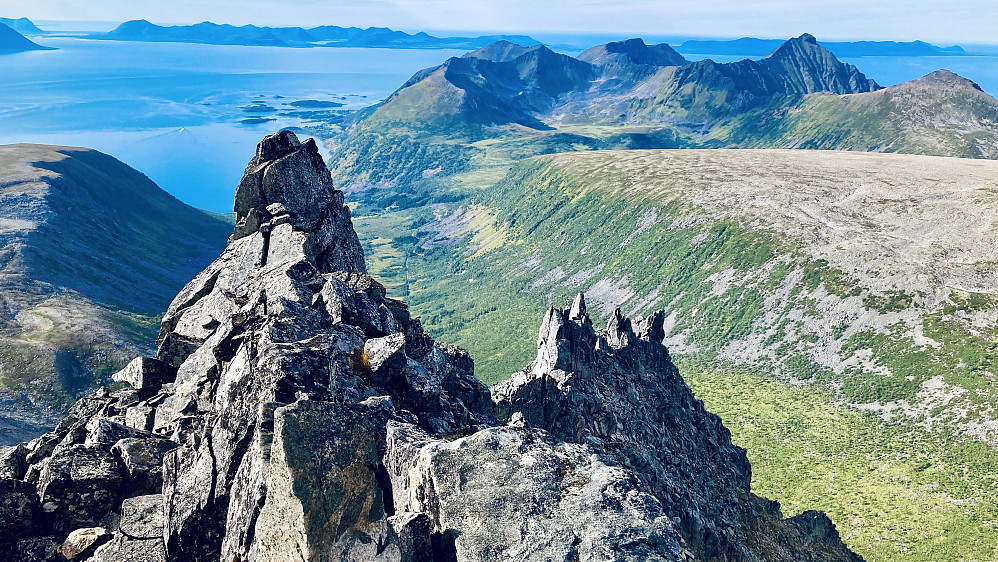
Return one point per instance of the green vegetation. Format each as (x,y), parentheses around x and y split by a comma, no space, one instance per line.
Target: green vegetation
(898,119)
(480,231)
(894,490)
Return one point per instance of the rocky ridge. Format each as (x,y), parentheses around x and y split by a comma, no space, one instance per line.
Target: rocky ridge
(294,412)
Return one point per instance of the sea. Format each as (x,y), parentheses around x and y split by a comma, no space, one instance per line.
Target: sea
(190,115)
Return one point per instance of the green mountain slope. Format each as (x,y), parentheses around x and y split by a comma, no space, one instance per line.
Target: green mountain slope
(940,114)
(860,286)
(91,252)
(857,287)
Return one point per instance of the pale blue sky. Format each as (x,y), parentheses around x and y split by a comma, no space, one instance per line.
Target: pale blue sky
(940,21)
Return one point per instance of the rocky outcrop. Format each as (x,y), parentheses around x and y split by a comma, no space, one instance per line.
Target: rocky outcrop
(618,392)
(710,92)
(294,412)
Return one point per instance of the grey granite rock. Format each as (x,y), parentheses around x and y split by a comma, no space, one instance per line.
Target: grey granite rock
(139,537)
(618,392)
(146,374)
(20,512)
(79,487)
(13,462)
(81,543)
(142,459)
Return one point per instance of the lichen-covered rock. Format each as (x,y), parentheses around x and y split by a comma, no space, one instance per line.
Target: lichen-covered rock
(103,431)
(510,494)
(142,459)
(13,462)
(79,487)
(20,512)
(618,392)
(324,500)
(139,537)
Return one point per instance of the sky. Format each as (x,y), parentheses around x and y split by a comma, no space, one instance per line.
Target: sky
(939,21)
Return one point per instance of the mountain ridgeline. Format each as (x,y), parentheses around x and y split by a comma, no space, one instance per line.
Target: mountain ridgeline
(528,83)
(294,412)
(627,94)
(11,41)
(321,36)
(90,253)
(22,25)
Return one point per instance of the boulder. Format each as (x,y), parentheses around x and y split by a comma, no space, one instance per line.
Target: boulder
(79,487)
(140,533)
(13,462)
(323,488)
(146,374)
(19,512)
(509,494)
(143,462)
(102,431)
(81,543)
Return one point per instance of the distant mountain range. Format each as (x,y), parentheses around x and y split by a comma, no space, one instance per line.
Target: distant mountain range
(620,82)
(750,46)
(91,252)
(13,42)
(323,36)
(628,94)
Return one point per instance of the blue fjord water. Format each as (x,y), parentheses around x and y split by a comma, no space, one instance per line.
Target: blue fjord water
(175,111)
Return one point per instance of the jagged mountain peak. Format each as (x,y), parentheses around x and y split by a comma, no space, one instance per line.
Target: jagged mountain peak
(805,67)
(294,412)
(804,45)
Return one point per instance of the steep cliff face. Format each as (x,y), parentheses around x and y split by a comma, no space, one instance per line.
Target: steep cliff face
(293,412)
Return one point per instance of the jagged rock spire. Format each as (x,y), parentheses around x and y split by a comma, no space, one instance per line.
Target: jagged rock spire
(617,392)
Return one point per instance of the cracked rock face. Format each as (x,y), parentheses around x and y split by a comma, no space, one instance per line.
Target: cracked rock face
(294,412)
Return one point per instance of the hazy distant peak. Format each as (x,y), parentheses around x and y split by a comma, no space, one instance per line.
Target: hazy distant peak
(632,51)
(941,79)
(11,41)
(500,51)
(22,25)
(806,43)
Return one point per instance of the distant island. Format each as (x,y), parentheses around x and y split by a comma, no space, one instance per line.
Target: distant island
(323,36)
(751,46)
(13,42)
(22,25)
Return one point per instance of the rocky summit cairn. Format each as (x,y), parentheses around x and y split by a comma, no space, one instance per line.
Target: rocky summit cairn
(293,412)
